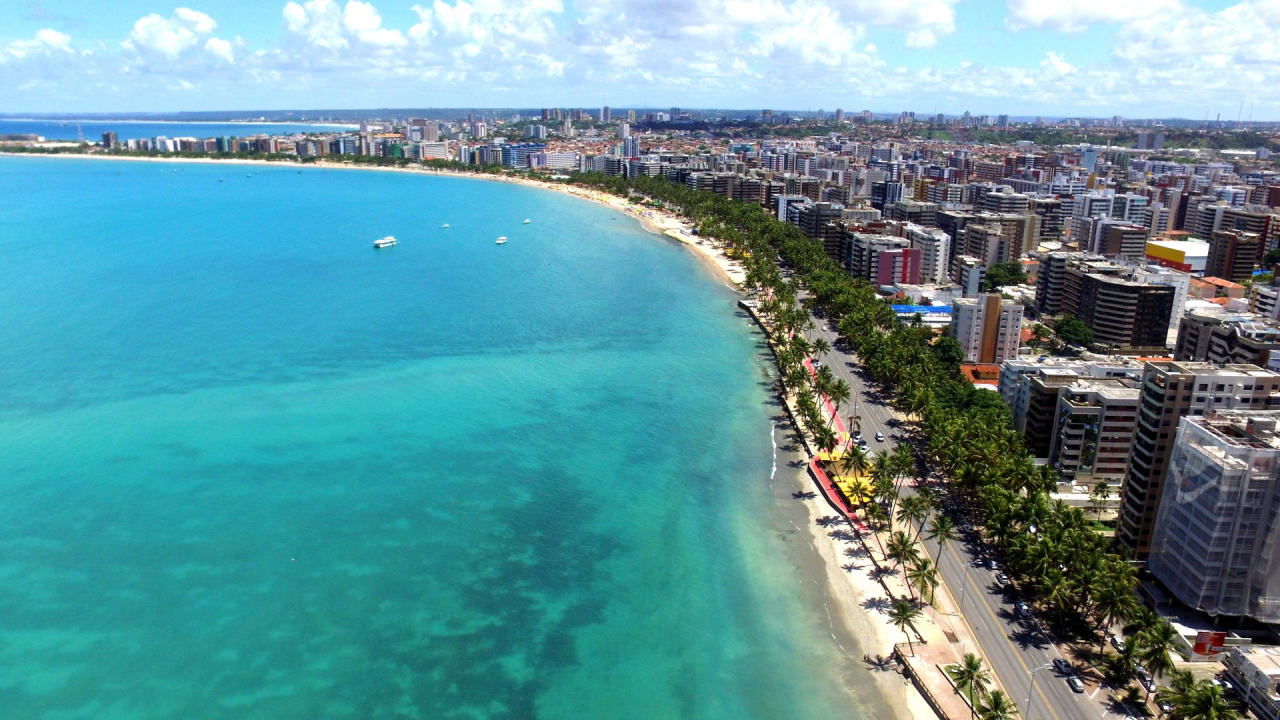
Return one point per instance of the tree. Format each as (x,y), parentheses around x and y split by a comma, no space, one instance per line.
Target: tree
(970,678)
(923,576)
(1203,701)
(1157,646)
(903,616)
(1072,330)
(1098,498)
(1039,333)
(1005,273)
(942,530)
(997,706)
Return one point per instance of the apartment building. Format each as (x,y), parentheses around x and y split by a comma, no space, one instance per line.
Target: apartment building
(1093,433)
(987,327)
(1172,390)
(1217,335)
(1216,541)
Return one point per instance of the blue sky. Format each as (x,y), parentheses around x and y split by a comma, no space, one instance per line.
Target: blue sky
(1136,58)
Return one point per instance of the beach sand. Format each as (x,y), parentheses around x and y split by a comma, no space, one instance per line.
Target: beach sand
(855,604)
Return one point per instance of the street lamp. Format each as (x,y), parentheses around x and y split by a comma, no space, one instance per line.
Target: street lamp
(1032,672)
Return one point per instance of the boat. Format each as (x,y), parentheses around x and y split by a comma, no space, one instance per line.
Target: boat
(501,240)
(445,226)
(527,221)
(387,241)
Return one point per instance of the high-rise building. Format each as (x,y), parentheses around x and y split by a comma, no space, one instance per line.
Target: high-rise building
(1093,432)
(935,249)
(1216,539)
(987,327)
(1121,312)
(110,140)
(605,114)
(1172,390)
(839,116)
(1217,335)
(1232,255)
(624,130)
(631,146)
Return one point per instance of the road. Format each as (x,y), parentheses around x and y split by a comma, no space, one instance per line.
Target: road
(1011,646)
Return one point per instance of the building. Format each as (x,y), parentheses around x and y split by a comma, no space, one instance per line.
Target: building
(1255,672)
(1093,431)
(822,222)
(1172,390)
(1232,255)
(1216,541)
(935,251)
(1189,256)
(1214,334)
(970,273)
(987,327)
(110,141)
(1123,314)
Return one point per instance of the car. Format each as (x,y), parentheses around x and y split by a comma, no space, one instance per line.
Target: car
(1165,707)
(1227,686)
(1024,610)
(1002,579)
(992,564)
(879,437)
(1115,642)
(1076,684)
(1062,666)
(966,527)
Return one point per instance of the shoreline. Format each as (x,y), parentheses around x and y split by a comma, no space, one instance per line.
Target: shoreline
(656,221)
(849,596)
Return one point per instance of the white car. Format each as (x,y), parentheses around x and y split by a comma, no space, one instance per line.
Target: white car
(879,437)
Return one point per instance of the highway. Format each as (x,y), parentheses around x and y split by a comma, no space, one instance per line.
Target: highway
(1011,646)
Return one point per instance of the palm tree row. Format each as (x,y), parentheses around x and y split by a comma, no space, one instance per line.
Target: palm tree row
(1078,577)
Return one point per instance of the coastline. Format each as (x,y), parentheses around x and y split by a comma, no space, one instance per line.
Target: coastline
(851,599)
(659,222)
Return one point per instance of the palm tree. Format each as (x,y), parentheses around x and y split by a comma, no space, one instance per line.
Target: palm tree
(904,615)
(901,550)
(1157,647)
(971,679)
(1101,493)
(1204,701)
(997,706)
(923,576)
(943,530)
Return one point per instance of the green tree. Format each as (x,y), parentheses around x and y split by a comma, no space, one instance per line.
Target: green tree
(970,678)
(1071,329)
(942,530)
(903,616)
(1005,273)
(997,706)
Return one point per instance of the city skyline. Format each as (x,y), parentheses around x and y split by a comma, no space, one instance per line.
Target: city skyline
(1153,58)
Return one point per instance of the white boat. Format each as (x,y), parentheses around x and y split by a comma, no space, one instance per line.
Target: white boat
(527,221)
(445,225)
(501,240)
(387,241)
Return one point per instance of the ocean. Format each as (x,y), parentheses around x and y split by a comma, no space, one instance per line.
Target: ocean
(129,129)
(251,467)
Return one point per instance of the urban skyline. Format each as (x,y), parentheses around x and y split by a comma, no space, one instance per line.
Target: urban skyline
(1155,58)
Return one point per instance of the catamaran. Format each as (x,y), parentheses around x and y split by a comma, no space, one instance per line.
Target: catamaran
(501,240)
(387,241)
(527,221)
(446,225)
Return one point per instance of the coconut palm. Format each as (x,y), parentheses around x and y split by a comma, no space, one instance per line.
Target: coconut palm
(1157,645)
(903,616)
(942,530)
(970,678)
(901,550)
(1203,701)
(997,706)
(923,576)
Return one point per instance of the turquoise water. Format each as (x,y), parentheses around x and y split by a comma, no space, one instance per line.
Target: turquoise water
(252,468)
(125,130)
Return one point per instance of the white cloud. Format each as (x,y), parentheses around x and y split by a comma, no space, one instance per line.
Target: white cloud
(922,38)
(201,23)
(45,41)
(171,36)
(1077,15)
(220,48)
(53,39)
(363,21)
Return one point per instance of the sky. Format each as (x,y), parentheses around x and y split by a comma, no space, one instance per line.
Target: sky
(1092,58)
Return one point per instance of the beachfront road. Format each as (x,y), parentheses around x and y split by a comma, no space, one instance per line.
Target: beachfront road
(1012,646)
